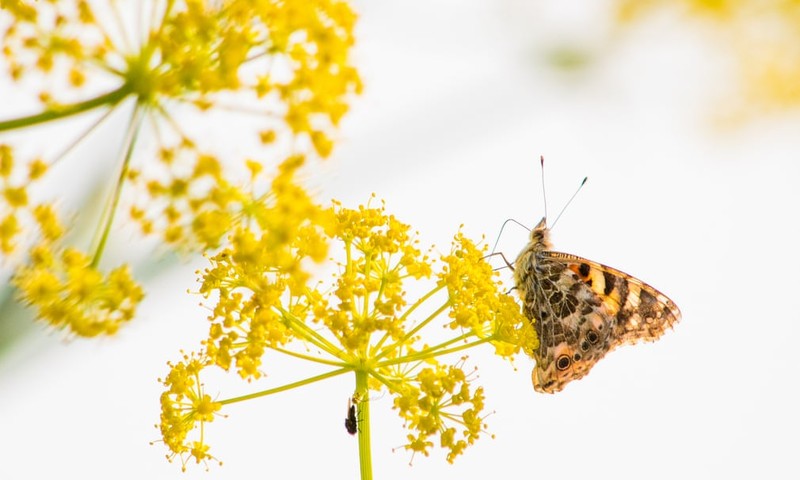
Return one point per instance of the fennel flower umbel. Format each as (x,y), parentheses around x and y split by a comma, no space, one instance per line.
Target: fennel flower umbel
(360,323)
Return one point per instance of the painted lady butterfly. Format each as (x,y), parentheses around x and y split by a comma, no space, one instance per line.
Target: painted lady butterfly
(582,310)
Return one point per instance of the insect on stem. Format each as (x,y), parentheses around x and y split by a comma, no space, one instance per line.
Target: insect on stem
(351,421)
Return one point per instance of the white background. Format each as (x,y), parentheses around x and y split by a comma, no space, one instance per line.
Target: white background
(460,101)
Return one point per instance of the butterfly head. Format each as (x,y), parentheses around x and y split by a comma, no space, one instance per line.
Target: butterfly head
(539,242)
(540,236)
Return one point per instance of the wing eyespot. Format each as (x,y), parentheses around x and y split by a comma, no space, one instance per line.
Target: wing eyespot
(563,362)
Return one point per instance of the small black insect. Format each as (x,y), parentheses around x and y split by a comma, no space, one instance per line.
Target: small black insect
(351,421)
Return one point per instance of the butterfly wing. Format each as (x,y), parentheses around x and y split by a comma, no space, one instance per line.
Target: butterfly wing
(583,310)
(642,313)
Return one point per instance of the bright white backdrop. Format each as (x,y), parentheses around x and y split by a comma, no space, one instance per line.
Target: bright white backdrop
(459,104)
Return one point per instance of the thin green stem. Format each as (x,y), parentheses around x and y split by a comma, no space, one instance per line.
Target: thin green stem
(377,375)
(436,351)
(378,346)
(418,303)
(364,443)
(63,153)
(116,15)
(367,272)
(289,386)
(109,99)
(170,121)
(411,332)
(108,214)
(309,357)
(308,333)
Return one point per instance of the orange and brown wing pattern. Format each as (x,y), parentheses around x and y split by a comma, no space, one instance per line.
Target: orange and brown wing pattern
(581,310)
(642,313)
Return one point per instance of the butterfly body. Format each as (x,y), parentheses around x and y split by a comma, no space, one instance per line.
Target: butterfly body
(581,310)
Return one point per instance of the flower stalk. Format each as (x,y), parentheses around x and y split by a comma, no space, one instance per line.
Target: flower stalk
(132,132)
(363,419)
(110,99)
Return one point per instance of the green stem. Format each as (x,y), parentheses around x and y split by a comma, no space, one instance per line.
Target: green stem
(108,215)
(289,386)
(379,346)
(367,301)
(385,351)
(436,351)
(307,333)
(309,357)
(109,99)
(63,153)
(364,450)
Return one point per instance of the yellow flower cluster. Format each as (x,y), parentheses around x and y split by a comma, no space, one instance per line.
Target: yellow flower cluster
(362,323)
(761,35)
(184,405)
(427,403)
(260,266)
(69,292)
(63,284)
(15,207)
(475,304)
(191,204)
(288,62)
(291,55)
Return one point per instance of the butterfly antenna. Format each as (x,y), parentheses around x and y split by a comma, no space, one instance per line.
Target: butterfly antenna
(541,161)
(570,200)
(494,248)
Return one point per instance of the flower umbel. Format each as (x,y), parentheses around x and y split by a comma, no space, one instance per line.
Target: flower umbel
(69,292)
(286,64)
(184,407)
(363,321)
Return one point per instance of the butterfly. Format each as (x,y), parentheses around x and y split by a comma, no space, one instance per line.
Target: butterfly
(581,310)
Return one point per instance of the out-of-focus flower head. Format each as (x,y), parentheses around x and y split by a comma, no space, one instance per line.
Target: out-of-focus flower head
(172,64)
(761,36)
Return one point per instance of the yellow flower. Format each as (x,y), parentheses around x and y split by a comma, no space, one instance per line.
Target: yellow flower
(293,55)
(476,305)
(768,75)
(185,408)
(69,292)
(361,321)
(17,215)
(288,62)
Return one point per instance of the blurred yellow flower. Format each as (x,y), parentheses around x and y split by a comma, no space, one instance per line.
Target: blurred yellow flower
(69,292)
(288,62)
(762,36)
